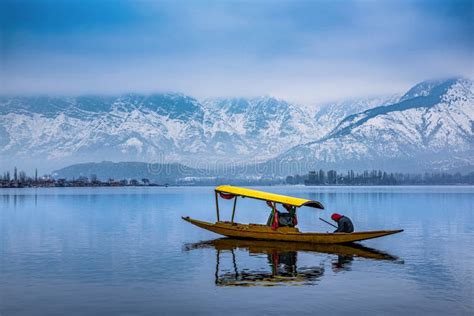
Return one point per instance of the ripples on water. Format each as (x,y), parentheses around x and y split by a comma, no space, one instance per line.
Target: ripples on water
(126,251)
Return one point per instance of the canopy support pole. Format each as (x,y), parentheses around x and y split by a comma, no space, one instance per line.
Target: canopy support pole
(233,209)
(217,207)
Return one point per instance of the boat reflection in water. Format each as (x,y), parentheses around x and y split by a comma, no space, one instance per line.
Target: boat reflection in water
(282,259)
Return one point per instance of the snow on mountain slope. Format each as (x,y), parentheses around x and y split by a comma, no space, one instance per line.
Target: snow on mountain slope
(431,127)
(257,128)
(329,115)
(431,118)
(159,127)
(84,129)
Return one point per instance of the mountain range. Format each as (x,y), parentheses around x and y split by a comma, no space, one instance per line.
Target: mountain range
(430,127)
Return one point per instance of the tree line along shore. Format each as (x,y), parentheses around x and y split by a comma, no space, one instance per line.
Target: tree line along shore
(19,179)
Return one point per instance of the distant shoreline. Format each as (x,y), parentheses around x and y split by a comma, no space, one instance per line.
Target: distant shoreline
(250,185)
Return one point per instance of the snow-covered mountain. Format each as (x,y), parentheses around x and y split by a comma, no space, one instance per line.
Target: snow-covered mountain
(329,115)
(431,127)
(155,128)
(433,120)
(255,128)
(70,130)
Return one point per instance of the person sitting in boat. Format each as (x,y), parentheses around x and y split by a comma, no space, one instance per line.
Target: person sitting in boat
(282,219)
(344,223)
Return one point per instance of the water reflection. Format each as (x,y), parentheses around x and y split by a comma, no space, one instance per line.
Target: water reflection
(282,261)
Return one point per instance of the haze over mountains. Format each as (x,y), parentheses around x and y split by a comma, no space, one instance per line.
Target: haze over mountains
(428,128)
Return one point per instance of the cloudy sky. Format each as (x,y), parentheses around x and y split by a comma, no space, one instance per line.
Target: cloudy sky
(304,51)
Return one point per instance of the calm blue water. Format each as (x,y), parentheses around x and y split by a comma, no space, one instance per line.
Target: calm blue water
(127,251)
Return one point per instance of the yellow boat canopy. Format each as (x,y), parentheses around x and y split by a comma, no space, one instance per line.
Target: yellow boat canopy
(261,195)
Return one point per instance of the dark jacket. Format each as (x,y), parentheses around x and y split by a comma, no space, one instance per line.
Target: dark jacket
(344,225)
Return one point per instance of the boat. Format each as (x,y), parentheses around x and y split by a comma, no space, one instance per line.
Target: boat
(272,232)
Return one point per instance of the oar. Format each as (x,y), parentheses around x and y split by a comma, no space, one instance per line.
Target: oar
(328,222)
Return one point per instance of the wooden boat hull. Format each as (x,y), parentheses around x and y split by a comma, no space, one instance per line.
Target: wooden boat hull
(263,232)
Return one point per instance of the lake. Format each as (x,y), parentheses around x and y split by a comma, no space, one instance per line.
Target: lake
(67,251)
